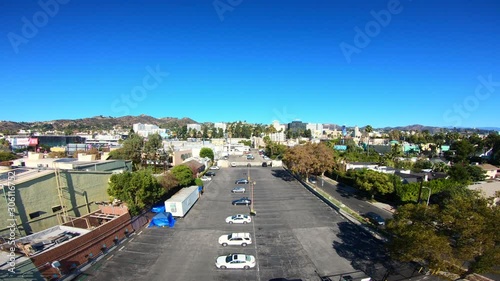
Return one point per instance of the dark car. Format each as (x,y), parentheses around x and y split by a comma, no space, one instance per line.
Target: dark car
(241,181)
(375,218)
(346,278)
(264,164)
(242,201)
(210,174)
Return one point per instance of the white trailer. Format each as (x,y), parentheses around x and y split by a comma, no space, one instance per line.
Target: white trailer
(182,201)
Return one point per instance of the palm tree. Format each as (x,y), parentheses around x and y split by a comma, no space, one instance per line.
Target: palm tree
(368,130)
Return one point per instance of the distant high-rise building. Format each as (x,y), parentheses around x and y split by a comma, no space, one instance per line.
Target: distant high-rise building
(316,129)
(356,133)
(297,126)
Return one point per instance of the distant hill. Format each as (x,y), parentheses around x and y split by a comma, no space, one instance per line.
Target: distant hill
(126,122)
(93,123)
(415,127)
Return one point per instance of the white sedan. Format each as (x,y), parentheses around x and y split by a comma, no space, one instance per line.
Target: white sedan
(235,239)
(240,261)
(244,219)
(215,168)
(205,178)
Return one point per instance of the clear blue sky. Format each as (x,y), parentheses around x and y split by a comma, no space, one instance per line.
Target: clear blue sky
(258,60)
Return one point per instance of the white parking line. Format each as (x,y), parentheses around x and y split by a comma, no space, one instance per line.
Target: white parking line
(139,233)
(119,250)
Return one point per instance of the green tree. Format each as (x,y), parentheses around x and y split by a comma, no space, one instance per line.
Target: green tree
(492,142)
(246,142)
(168,181)
(476,173)
(183,174)
(7,156)
(207,152)
(459,173)
(138,189)
(466,173)
(5,145)
(374,182)
(462,229)
(368,130)
(440,167)
(152,148)
(220,133)
(463,150)
(132,149)
(420,165)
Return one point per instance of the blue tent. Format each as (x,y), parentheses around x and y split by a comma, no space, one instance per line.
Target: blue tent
(158,208)
(162,219)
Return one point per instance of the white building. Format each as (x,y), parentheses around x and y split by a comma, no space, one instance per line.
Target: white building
(145,130)
(279,136)
(220,125)
(357,132)
(316,129)
(196,127)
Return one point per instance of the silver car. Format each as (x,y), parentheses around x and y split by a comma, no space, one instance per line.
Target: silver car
(238,190)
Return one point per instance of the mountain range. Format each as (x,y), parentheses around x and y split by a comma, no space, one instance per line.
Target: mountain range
(107,123)
(93,123)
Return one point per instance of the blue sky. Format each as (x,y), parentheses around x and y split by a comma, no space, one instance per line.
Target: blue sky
(382,63)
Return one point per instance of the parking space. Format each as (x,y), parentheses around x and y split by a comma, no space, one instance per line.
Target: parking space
(293,235)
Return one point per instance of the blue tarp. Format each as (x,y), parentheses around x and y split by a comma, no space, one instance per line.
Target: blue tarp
(162,219)
(158,208)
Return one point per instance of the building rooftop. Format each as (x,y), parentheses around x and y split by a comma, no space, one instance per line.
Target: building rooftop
(21,175)
(50,238)
(488,188)
(488,167)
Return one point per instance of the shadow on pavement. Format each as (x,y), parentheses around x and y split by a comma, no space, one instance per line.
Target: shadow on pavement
(365,253)
(369,255)
(284,175)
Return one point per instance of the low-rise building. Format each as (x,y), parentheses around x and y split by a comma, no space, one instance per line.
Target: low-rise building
(46,191)
(59,251)
(490,170)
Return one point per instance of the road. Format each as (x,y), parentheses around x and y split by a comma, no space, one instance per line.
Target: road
(347,195)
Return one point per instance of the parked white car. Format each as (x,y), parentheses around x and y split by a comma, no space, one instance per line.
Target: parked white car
(215,168)
(240,261)
(238,239)
(205,178)
(244,219)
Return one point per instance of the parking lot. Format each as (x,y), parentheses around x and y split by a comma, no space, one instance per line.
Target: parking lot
(294,236)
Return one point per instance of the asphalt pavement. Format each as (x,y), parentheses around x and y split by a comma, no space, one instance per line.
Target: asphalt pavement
(296,237)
